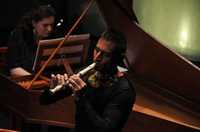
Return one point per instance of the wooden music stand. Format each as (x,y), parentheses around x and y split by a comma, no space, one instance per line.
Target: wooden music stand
(73,52)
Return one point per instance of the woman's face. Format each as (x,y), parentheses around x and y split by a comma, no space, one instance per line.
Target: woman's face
(44,27)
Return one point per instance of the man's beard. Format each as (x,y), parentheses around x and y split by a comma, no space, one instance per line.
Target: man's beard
(106,69)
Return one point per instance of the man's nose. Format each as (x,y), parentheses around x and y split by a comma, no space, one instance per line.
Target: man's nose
(98,56)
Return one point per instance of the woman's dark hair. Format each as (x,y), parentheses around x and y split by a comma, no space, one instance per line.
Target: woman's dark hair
(36,14)
(119,40)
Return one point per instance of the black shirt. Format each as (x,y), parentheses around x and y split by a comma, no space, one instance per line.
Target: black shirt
(105,109)
(102,109)
(22,47)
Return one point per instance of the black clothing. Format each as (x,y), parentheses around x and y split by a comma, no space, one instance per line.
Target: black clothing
(103,109)
(22,47)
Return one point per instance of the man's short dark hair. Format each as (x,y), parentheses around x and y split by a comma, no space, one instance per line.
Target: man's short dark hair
(119,40)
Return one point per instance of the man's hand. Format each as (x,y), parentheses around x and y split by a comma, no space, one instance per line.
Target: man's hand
(76,83)
(58,80)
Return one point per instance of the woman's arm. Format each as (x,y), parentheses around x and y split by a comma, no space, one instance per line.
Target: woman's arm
(18,71)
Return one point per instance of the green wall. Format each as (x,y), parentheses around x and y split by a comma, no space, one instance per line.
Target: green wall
(174,22)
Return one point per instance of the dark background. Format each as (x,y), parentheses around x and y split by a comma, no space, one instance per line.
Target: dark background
(68,10)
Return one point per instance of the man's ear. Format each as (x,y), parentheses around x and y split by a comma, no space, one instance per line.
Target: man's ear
(119,58)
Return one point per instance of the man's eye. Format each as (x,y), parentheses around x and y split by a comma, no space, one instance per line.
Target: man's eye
(105,54)
(97,49)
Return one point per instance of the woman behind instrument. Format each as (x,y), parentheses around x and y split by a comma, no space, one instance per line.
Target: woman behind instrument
(105,100)
(35,25)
